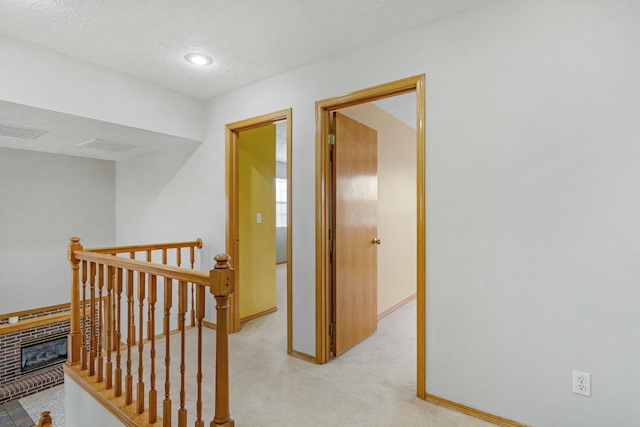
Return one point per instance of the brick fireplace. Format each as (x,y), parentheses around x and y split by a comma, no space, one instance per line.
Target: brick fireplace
(31,353)
(42,352)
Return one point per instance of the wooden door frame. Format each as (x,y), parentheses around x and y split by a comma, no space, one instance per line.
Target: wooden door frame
(232,192)
(323,109)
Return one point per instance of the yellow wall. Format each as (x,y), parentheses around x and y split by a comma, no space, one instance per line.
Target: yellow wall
(257,171)
(396,203)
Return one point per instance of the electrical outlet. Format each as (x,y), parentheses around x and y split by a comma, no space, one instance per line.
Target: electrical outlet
(582,383)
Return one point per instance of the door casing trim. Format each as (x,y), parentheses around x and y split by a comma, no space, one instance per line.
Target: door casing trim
(323,109)
(233,224)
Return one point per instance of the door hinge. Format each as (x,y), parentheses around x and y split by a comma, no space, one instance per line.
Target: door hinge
(332,328)
(332,234)
(332,139)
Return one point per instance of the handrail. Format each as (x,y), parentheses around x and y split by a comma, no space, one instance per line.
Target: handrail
(149,247)
(129,292)
(167,271)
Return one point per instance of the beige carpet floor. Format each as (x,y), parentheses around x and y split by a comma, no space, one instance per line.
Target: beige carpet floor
(51,400)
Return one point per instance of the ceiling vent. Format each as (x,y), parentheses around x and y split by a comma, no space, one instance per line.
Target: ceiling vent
(104,145)
(20,132)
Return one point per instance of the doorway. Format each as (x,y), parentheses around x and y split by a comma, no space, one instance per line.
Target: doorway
(239,219)
(324,209)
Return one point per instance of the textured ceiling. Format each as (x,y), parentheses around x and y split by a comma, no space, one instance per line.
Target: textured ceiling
(249,40)
(63,133)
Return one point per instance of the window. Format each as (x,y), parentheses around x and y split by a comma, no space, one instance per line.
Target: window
(281,202)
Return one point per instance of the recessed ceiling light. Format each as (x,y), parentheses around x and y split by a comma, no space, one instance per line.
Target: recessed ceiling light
(198,59)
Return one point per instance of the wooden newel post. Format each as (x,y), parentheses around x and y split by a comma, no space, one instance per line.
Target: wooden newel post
(45,420)
(75,336)
(222,284)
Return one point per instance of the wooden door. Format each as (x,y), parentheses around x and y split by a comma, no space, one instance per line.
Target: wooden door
(355,193)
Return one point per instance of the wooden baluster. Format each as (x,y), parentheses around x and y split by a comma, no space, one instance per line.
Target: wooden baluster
(149,330)
(192,258)
(128,379)
(115,344)
(222,285)
(182,310)
(132,324)
(100,324)
(164,256)
(83,314)
(199,317)
(119,288)
(141,295)
(183,305)
(76,335)
(109,323)
(92,319)
(153,394)
(166,408)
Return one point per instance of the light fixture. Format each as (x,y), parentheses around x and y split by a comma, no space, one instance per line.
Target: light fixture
(198,59)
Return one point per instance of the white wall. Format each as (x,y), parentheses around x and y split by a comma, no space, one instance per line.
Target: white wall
(532,219)
(148,185)
(41,78)
(44,200)
(80,407)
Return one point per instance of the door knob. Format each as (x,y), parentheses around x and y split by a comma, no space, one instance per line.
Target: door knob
(376,241)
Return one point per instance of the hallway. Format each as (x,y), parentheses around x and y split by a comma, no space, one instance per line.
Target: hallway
(370,385)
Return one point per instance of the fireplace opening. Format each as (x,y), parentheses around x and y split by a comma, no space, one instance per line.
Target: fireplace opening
(43,352)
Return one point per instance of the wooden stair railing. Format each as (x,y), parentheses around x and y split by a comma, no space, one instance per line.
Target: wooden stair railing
(124,284)
(45,420)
